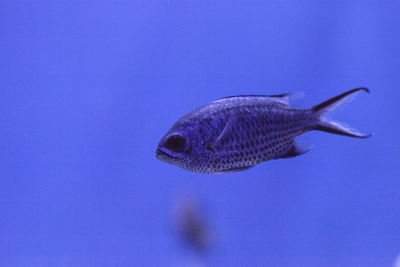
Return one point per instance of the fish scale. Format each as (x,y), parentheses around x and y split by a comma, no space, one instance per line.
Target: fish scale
(236,133)
(245,136)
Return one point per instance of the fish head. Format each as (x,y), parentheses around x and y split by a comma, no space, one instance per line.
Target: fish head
(173,148)
(185,147)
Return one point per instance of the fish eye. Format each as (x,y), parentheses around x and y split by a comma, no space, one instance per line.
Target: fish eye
(176,143)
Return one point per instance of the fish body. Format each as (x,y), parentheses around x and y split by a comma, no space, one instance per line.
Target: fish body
(239,132)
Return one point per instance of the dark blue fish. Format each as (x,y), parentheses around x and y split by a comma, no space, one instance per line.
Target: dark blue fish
(236,133)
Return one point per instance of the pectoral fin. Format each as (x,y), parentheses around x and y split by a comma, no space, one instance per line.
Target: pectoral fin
(218,144)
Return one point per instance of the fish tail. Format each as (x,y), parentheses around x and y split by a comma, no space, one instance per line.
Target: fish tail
(332,126)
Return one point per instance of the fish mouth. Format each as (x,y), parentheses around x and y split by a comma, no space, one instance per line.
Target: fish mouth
(161,153)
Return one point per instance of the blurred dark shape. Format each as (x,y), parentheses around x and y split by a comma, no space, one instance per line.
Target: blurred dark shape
(192,226)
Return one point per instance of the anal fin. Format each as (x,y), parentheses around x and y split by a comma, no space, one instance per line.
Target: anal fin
(294,151)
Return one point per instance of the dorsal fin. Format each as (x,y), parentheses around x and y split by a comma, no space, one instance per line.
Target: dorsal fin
(282,98)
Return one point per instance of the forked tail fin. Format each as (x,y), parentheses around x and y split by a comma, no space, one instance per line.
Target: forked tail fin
(335,127)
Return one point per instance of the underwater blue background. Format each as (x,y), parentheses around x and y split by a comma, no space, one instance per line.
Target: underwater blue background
(89,87)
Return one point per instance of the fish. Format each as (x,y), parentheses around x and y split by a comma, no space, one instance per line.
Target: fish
(236,133)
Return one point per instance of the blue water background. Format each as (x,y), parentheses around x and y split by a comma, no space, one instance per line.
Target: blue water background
(89,87)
